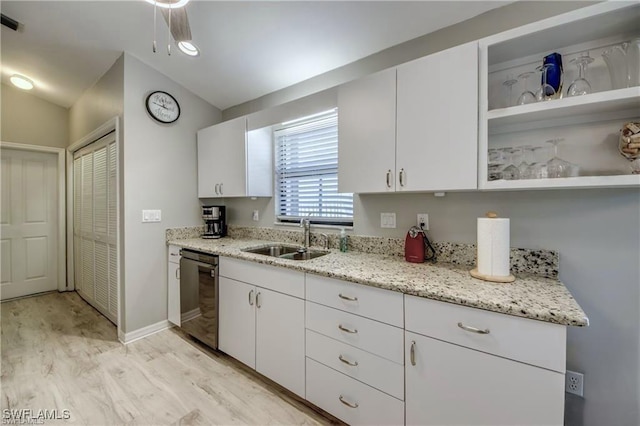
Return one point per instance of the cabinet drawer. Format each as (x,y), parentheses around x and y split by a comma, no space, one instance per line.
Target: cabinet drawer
(327,389)
(370,369)
(174,254)
(372,336)
(278,279)
(371,302)
(533,342)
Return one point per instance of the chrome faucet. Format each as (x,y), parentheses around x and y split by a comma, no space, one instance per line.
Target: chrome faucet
(305,223)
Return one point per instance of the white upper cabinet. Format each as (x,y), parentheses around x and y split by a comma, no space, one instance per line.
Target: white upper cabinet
(411,128)
(588,124)
(367,133)
(437,121)
(233,162)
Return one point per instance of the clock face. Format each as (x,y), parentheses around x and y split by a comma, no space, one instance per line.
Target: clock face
(163,107)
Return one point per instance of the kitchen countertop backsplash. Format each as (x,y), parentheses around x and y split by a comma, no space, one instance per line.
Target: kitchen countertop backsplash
(379,262)
(529,261)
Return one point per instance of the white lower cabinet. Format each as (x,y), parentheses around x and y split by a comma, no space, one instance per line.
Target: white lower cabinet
(280,339)
(447,384)
(350,400)
(263,329)
(173,285)
(237,321)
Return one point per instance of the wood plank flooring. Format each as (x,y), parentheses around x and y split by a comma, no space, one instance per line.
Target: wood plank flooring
(60,353)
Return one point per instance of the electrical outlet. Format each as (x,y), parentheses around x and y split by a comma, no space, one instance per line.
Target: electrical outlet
(574,383)
(256,215)
(423,218)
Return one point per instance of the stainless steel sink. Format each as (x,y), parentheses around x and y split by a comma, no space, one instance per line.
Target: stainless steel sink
(304,255)
(284,251)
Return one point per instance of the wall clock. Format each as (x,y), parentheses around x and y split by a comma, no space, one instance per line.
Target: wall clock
(162,107)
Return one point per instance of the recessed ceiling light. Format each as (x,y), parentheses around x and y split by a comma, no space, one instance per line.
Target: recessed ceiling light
(21,82)
(168,3)
(188,48)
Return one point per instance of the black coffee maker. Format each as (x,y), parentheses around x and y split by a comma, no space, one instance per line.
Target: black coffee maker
(215,225)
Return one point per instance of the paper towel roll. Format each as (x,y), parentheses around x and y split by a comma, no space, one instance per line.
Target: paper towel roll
(493,246)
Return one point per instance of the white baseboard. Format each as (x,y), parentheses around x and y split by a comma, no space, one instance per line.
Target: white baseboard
(143,332)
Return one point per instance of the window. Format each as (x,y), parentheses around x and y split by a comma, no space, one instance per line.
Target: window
(307,172)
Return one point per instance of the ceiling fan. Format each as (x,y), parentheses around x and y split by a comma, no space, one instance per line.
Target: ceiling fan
(175,16)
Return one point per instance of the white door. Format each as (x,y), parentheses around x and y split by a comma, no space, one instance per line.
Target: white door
(95,225)
(447,384)
(222,164)
(367,133)
(280,339)
(437,121)
(29,223)
(237,322)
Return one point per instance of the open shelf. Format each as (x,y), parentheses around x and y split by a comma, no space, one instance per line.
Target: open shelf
(575,182)
(594,103)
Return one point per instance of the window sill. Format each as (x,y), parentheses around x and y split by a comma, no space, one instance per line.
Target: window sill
(314,225)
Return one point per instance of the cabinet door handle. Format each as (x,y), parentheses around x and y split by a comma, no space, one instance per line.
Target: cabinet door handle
(473,329)
(216,188)
(177,273)
(345,329)
(401,175)
(251,297)
(412,352)
(389,178)
(347,403)
(221,189)
(349,298)
(346,361)
(258,305)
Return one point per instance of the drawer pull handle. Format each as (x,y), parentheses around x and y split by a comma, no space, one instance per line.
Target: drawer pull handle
(412,352)
(346,361)
(348,330)
(174,254)
(251,297)
(473,329)
(347,403)
(349,298)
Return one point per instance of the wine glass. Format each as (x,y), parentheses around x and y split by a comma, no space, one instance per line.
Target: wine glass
(496,163)
(511,171)
(557,167)
(538,167)
(508,83)
(527,96)
(525,156)
(580,86)
(546,91)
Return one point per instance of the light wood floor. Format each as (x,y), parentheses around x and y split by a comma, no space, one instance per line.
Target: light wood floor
(59,353)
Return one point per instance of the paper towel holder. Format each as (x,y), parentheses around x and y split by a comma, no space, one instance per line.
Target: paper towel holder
(493,278)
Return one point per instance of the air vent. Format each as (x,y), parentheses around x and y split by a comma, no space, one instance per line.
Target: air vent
(10,23)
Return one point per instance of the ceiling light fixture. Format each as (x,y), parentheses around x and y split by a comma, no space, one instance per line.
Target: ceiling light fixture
(188,48)
(21,82)
(167,4)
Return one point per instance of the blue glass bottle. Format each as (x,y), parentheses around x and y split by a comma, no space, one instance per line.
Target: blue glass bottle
(553,72)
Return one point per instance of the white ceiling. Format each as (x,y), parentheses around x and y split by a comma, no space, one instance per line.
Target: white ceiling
(248,49)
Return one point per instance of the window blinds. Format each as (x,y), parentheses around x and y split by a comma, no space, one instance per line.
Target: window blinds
(307,172)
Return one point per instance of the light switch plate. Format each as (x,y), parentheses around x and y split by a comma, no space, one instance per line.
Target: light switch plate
(151,216)
(387,220)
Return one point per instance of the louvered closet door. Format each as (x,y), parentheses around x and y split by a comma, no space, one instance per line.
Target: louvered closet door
(95,225)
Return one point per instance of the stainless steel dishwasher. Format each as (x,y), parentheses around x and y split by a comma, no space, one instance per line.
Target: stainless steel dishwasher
(199,296)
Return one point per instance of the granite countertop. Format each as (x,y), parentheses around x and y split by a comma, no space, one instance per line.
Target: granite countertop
(530,296)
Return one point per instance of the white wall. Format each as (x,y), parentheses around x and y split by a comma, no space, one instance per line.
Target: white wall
(597,232)
(159,173)
(98,104)
(27,119)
